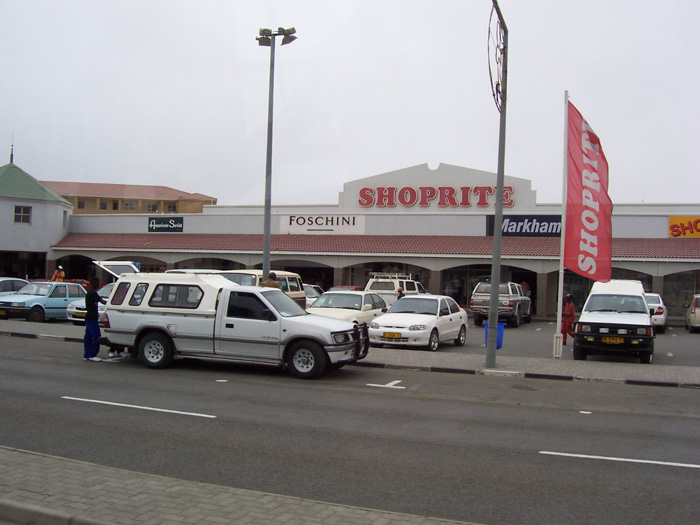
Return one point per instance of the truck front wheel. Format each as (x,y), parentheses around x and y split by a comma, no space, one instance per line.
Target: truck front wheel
(155,350)
(306,360)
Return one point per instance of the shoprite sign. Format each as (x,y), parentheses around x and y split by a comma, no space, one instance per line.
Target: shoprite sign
(440,196)
(165,224)
(684,226)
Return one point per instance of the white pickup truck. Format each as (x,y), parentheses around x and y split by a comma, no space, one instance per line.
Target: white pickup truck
(158,317)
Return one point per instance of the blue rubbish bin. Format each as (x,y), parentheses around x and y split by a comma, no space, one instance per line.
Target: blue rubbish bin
(499,338)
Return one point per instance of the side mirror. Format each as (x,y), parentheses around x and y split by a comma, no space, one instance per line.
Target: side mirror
(384,310)
(651,311)
(269,315)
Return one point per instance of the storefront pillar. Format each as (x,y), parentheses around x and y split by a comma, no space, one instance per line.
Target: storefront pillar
(541,296)
(434,282)
(657,284)
(337,277)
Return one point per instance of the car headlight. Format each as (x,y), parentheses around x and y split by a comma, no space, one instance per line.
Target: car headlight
(16,304)
(341,338)
(643,331)
(374,325)
(584,328)
(416,327)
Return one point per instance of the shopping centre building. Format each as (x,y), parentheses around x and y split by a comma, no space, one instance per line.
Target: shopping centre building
(436,224)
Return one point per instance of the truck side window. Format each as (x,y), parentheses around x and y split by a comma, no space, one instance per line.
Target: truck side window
(139,293)
(246,306)
(176,296)
(294,284)
(410,286)
(444,309)
(120,293)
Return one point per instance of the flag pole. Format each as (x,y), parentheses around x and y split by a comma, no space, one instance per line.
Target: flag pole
(556,351)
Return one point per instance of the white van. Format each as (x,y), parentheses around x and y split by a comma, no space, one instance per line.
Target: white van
(387,285)
(616,319)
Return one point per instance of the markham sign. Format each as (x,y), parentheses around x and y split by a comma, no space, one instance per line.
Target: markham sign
(527,225)
(440,196)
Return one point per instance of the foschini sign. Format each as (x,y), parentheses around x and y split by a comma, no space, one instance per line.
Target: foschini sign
(165,224)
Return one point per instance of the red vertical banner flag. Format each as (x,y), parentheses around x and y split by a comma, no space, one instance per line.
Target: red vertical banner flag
(588,243)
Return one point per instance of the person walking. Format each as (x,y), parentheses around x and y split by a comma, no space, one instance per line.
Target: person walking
(400,294)
(567,325)
(91,340)
(59,275)
(271,281)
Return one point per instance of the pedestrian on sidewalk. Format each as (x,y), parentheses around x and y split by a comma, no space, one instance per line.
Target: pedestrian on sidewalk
(91,341)
(567,325)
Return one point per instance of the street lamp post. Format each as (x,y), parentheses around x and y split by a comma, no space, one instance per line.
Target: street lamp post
(267,38)
(499,75)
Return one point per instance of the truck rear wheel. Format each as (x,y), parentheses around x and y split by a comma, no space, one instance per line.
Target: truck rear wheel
(306,360)
(155,350)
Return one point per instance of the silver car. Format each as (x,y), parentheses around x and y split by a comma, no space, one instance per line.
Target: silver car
(76,310)
(10,285)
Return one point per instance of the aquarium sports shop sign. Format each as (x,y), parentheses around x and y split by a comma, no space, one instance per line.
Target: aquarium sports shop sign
(165,224)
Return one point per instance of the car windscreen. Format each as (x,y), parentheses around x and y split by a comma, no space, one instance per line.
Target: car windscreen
(36,289)
(339,300)
(653,299)
(486,288)
(408,305)
(616,303)
(310,291)
(244,279)
(281,302)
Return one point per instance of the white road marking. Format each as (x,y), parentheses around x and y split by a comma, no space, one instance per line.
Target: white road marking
(388,385)
(137,406)
(669,354)
(584,412)
(623,460)
(538,329)
(222,380)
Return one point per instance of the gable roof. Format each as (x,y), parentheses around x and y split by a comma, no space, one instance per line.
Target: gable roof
(670,249)
(15,183)
(122,191)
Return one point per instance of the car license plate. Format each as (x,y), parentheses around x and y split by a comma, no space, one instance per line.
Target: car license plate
(80,314)
(614,340)
(391,335)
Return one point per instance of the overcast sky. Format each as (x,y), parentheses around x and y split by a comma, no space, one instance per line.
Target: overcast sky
(174,92)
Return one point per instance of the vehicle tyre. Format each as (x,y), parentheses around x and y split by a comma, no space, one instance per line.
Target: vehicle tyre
(515,320)
(478,321)
(660,329)
(434,341)
(462,337)
(646,358)
(528,317)
(306,360)
(579,354)
(36,315)
(155,350)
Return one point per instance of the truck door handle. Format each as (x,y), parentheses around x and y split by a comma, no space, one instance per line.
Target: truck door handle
(229,325)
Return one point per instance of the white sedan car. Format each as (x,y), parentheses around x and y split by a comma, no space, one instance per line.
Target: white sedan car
(76,310)
(419,320)
(658,318)
(349,305)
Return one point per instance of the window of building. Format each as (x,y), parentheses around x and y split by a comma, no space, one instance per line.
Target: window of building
(152,208)
(81,205)
(129,206)
(65,219)
(103,206)
(172,208)
(23,214)
(115,205)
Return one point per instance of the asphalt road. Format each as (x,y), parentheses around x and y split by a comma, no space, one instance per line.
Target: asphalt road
(471,448)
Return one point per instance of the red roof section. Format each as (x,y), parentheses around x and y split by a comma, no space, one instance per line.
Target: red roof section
(546,247)
(122,191)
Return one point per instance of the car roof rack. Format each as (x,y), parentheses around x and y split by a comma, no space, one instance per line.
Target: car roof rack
(384,275)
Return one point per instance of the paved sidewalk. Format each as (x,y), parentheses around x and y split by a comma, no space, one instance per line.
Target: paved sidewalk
(48,490)
(41,489)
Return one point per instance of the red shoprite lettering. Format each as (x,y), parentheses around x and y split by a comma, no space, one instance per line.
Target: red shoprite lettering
(425,196)
(684,229)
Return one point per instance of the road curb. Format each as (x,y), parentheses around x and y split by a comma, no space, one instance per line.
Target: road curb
(439,369)
(13,512)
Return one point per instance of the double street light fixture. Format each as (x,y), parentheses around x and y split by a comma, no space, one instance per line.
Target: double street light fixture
(267,38)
